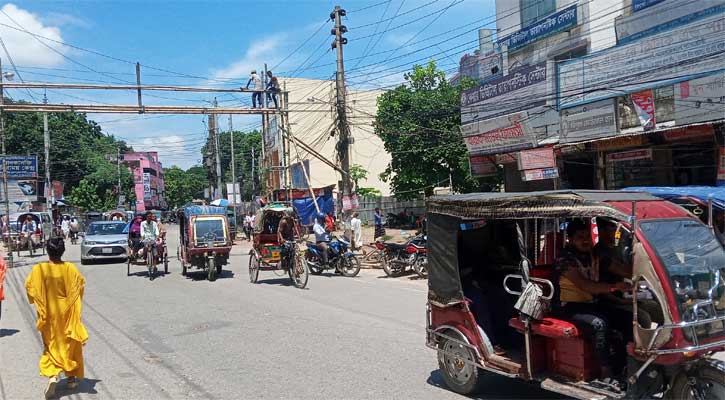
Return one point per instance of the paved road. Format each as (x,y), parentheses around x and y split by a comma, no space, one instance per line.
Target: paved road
(179,338)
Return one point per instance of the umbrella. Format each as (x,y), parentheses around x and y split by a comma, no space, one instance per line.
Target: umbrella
(220,202)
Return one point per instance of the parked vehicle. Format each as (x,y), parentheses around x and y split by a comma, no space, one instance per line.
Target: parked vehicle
(401,257)
(421,262)
(268,254)
(204,240)
(506,243)
(340,258)
(104,240)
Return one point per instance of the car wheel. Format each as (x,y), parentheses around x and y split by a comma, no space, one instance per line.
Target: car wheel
(84,261)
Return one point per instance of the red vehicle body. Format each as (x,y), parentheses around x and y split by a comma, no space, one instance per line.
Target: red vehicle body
(671,356)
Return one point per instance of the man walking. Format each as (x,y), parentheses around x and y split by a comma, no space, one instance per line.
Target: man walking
(249,225)
(258,89)
(56,289)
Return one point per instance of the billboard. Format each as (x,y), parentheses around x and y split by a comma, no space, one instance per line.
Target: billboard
(700,100)
(589,121)
(20,167)
(299,180)
(665,17)
(499,135)
(21,191)
(146,186)
(554,23)
(669,57)
(22,173)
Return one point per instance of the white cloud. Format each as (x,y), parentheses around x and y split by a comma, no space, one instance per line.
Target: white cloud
(61,19)
(268,50)
(23,47)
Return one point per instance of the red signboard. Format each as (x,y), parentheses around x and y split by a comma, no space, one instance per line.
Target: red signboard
(700,131)
(639,154)
(721,168)
(644,103)
(482,166)
(537,159)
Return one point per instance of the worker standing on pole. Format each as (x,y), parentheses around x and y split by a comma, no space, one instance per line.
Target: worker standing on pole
(258,88)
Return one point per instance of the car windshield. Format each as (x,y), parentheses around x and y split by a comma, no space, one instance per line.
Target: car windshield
(691,255)
(208,228)
(105,229)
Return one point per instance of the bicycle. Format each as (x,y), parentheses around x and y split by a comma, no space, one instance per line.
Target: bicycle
(150,254)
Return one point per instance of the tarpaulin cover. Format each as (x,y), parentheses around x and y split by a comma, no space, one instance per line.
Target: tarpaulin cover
(306,207)
(444,283)
(702,193)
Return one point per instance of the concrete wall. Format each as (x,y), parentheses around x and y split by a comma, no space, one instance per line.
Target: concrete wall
(312,119)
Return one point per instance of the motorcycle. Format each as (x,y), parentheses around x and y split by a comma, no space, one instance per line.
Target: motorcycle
(400,257)
(339,258)
(421,262)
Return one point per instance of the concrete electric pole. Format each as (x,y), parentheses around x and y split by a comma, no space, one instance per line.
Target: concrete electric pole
(343,129)
(46,146)
(6,224)
(234,175)
(217,155)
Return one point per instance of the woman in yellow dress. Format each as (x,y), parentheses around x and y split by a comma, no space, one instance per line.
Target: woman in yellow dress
(56,289)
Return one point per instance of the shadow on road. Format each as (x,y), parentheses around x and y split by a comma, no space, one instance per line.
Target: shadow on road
(200,275)
(85,386)
(276,281)
(8,332)
(499,387)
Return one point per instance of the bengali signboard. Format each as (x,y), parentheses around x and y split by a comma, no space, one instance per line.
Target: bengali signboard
(644,103)
(638,5)
(523,88)
(700,100)
(146,186)
(554,23)
(702,132)
(482,166)
(539,174)
(668,57)
(489,66)
(639,154)
(20,166)
(664,17)
(22,173)
(537,159)
(499,135)
(588,122)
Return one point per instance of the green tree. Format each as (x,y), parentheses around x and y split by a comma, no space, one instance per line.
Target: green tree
(419,124)
(243,144)
(358,173)
(184,186)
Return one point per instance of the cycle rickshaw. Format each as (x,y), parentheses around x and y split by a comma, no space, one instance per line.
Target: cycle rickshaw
(142,253)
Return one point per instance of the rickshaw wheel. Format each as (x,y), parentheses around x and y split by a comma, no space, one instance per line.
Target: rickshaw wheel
(705,383)
(166,264)
(253,268)
(128,266)
(298,272)
(350,266)
(211,269)
(457,363)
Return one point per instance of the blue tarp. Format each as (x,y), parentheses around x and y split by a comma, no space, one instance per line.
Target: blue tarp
(306,207)
(702,193)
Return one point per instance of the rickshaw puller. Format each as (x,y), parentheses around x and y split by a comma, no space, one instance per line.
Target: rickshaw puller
(286,232)
(150,232)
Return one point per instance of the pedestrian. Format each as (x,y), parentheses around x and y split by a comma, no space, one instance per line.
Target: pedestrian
(65,227)
(356,227)
(258,88)
(272,88)
(249,225)
(56,288)
(379,230)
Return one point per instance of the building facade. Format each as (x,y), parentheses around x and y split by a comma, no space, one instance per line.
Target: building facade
(312,119)
(602,94)
(148,178)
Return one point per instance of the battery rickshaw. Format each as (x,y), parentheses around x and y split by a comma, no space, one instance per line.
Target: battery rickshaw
(502,249)
(268,254)
(204,240)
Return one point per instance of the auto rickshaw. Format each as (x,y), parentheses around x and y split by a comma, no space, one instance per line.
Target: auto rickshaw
(116,215)
(268,254)
(492,286)
(204,240)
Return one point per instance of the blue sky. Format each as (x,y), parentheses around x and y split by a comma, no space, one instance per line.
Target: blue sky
(217,43)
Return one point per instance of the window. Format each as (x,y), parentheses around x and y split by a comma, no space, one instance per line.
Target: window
(534,10)
(150,171)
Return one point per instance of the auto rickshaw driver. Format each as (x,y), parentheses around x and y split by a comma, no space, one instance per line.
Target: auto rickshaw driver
(578,286)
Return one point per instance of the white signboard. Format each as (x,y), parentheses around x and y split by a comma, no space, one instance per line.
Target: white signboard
(700,100)
(146,186)
(663,16)
(589,121)
(230,193)
(522,89)
(489,63)
(21,191)
(652,61)
(499,135)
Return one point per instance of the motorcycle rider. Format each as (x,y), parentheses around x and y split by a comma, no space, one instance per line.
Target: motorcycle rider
(322,237)
(74,228)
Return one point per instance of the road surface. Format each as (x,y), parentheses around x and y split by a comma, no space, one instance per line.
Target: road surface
(186,338)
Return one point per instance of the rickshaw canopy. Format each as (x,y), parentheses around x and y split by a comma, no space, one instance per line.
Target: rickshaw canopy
(448,215)
(271,208)
(203,210)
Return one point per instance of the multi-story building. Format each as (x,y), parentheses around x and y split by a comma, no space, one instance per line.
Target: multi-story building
(148,178)
(312,119)
(602,94)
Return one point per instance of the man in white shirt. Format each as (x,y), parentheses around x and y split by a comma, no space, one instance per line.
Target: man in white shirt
(258,89)
(356,227)
(249,225)
(150,230)
(322,237)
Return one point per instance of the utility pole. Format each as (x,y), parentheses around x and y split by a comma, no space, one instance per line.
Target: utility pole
(343,129)
(234,175)
(217,155)
(6,225)
(46,146)
(254,181)
(118,169)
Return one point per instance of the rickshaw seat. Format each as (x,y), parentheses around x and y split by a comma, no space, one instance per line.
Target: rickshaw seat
(548,327)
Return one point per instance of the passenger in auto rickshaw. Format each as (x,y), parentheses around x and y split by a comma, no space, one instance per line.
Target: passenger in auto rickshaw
(578,288)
